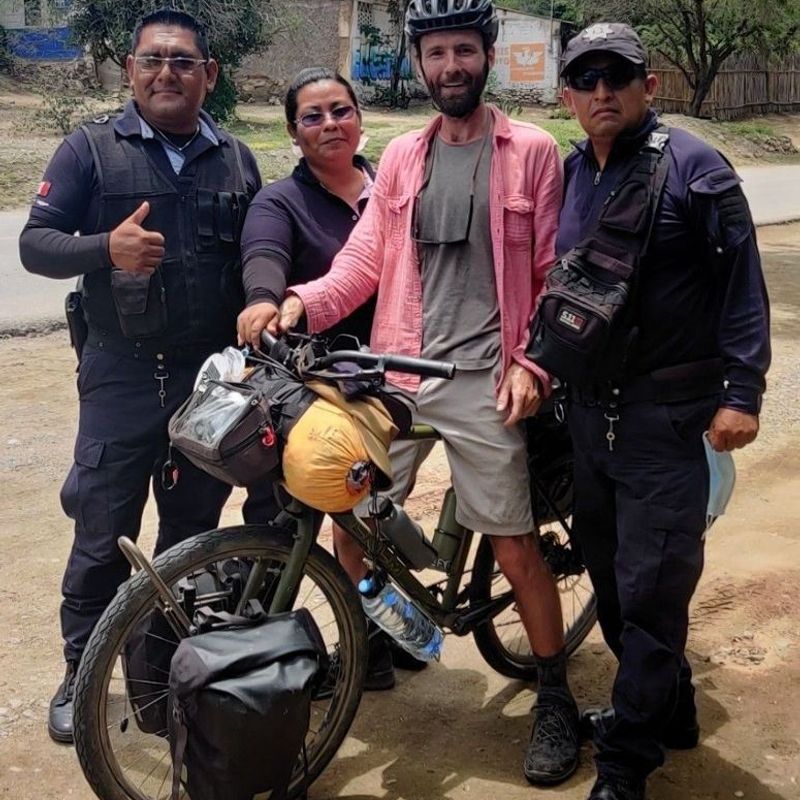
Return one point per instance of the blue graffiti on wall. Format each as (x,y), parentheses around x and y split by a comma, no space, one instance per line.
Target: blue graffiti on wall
(374,59)
(43,44)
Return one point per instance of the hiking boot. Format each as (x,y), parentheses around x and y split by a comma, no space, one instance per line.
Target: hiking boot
(552,754)
(616,787)
(59,719)
(681,733)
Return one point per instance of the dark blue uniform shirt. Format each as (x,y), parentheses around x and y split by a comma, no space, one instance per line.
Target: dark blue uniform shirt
(701,291)
(69,199)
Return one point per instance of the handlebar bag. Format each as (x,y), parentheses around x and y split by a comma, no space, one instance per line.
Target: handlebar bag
(226,429)
(240,703)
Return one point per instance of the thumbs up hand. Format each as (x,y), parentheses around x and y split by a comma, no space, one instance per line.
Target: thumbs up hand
(133,248)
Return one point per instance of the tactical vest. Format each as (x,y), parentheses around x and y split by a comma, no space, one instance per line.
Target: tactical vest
(200,215)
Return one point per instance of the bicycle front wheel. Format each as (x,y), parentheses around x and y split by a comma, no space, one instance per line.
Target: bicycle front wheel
(123,753)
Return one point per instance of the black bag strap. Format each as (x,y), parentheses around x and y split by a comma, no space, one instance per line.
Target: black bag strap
(180,750)
(623,231)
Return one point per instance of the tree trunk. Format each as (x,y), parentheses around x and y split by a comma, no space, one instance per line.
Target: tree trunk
(702,87)
(396,78)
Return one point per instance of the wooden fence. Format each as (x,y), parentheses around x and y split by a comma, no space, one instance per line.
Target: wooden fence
(747,85)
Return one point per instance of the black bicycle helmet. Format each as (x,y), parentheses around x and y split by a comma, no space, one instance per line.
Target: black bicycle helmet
(426,16)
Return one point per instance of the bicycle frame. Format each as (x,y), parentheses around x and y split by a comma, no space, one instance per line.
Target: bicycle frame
(444,612)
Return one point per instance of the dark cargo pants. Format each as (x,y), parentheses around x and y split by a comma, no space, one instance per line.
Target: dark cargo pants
(119,452)
(639,516)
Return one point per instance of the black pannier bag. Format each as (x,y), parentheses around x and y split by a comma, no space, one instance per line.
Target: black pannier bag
(240,704)
(584,325)
(149,649)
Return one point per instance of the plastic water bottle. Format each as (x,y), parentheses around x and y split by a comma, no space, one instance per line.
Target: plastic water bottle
(401,619)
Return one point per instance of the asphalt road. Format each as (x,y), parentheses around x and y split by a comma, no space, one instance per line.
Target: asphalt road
(29,302)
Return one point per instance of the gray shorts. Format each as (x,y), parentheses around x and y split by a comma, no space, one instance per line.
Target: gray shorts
(488,462)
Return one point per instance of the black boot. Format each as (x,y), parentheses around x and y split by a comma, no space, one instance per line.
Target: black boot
(617,787)
(380,670)
(59,720)
(402,659)
(378,677)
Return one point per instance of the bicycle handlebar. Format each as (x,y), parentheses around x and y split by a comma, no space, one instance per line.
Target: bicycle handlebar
(280,351)
(415,366)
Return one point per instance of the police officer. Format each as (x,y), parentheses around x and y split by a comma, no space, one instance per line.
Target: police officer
(695,362)
(157,195)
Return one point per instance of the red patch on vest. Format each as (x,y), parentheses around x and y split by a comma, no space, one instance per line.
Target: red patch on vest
(44,188)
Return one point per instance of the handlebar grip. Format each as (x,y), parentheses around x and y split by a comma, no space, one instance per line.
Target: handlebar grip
(421,366)
(274,347)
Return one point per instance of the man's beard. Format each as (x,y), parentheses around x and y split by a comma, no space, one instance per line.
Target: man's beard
(462,105)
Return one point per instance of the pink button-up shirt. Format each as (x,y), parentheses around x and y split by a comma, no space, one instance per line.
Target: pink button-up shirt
(525,190)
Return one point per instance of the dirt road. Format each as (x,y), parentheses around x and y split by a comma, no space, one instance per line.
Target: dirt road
(456,730)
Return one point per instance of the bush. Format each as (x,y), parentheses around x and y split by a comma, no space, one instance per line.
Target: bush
(6,56)
(221,103)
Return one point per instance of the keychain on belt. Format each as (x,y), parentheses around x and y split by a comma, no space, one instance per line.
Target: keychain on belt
(612,416)
(161,375)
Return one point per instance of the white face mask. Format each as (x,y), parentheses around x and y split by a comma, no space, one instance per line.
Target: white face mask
(721,480)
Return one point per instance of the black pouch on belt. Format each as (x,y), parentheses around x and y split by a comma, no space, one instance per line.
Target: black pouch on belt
(141,303)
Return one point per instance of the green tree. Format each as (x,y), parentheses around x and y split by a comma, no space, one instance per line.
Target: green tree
(570,10)
(697,36)
(236,28)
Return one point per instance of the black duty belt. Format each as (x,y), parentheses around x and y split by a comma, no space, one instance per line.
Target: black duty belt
(668,385)
(149,349)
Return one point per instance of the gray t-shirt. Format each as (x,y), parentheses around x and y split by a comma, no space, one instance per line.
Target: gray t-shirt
(460,313)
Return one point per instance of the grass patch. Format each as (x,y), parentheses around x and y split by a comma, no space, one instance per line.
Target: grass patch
(564,131)
(750,129)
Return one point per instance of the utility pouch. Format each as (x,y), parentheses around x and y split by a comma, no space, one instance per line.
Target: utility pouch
(226,430)
(573,326)
(141,303)
(584,325)
(76,322)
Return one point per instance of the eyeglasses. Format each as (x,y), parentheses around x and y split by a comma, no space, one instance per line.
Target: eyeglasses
(316,118)
(183,65)
(616,77)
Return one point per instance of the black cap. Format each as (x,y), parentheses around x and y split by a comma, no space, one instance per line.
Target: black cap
(605,37)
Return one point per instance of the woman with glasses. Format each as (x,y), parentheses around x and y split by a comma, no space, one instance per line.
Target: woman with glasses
(295,226)
(293,230)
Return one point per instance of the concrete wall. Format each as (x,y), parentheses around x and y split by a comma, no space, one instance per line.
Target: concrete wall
(528,53)
(315,33)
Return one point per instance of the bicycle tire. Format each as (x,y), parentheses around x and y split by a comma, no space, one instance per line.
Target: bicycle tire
(137,597)
(493,644)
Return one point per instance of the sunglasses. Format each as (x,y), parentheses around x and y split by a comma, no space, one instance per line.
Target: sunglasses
(615,77)
(316,118)
(180,64)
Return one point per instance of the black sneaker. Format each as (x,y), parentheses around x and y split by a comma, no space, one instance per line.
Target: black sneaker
(552,754)
(59,719)
(614,787)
